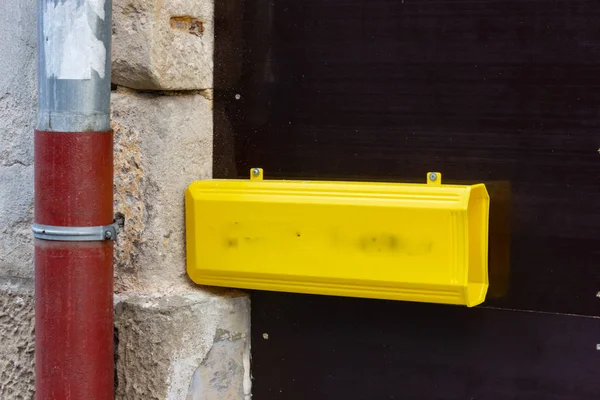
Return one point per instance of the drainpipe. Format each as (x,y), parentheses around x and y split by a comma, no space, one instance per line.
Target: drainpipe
(73,224)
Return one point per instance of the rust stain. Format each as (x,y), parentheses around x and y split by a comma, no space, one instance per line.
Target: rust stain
(187,24)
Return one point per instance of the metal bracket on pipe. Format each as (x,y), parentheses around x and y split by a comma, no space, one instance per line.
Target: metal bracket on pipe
(77,233)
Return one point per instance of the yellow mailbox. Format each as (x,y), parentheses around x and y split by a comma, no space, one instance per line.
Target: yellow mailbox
(416,242)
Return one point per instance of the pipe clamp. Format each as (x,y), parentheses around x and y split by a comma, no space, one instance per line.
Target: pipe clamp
(77,233)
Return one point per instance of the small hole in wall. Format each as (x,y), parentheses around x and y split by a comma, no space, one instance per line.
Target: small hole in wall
(188,24)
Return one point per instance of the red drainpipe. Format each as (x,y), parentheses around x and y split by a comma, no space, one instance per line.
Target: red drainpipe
(73,224)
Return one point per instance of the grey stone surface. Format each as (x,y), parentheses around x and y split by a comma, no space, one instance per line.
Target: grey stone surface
(17,121)
(163,45)
(16,340)
(162,144)
(186,346)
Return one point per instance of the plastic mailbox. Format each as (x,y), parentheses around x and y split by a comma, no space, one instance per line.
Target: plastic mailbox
(415,242)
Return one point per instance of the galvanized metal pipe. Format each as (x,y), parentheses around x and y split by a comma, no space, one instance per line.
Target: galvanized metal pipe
(74,65)
(74,202)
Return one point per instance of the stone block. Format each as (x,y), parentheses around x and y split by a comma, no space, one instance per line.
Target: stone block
(163,45)
(17,342)
(162,144)
(186,346)
(16,214)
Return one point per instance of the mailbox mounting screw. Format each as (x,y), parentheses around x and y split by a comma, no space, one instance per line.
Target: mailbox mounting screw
(255,171)
(432,176)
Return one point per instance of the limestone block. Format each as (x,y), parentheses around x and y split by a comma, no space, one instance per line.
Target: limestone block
(163,45)
(16,340)
(162,144)
(16,214)
(187,346)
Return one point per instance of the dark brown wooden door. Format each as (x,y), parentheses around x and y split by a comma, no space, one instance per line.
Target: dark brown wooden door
(502,92)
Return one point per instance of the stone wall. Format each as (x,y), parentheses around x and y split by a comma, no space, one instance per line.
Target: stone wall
(16,335)
(175,340)
(184,359)
(163,142)
(17,118)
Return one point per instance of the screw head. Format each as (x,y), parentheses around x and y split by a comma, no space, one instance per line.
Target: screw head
(432,176)
(108,235)
(256,172)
